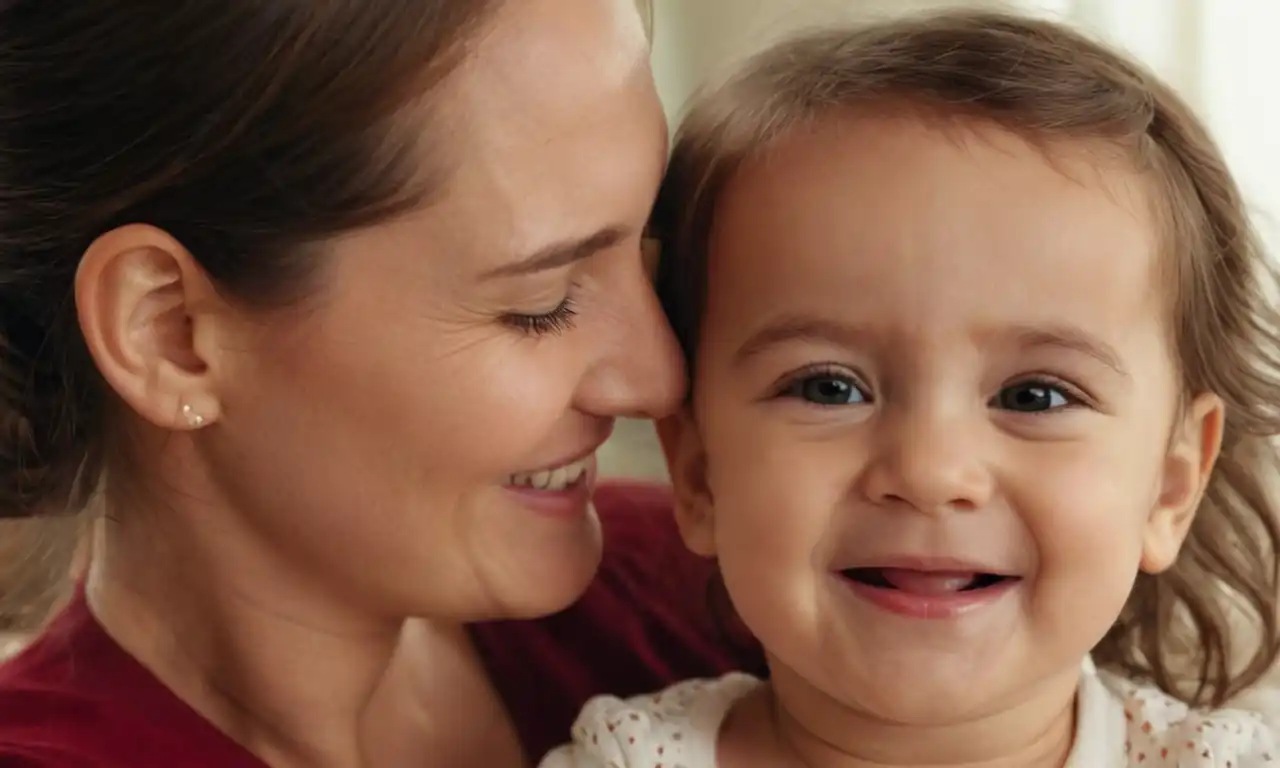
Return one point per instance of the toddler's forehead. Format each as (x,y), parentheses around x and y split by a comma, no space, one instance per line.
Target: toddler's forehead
(894,222)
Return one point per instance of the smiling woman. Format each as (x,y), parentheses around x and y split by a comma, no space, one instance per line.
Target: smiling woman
(320,306)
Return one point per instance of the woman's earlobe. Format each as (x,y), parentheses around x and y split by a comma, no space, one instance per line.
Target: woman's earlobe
(138,296)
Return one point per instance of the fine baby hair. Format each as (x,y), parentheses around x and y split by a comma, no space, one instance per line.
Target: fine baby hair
(1181,629)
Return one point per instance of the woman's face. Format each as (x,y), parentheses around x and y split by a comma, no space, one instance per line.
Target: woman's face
(389,436)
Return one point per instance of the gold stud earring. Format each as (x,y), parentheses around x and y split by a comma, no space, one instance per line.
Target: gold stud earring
(193,419)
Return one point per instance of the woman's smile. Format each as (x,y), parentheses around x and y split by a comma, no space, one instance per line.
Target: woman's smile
(562,491)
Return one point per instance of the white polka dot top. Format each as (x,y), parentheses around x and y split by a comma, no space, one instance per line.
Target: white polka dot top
(1118,724)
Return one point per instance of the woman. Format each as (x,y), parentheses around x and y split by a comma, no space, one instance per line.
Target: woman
(328,305)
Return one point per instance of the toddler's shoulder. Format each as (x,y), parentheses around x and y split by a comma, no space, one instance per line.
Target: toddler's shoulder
(675,726)
(1161,730)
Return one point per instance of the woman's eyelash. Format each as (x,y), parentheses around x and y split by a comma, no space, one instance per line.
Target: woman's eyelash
(557,320)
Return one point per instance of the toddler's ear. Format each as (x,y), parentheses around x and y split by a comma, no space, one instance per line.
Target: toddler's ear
(1187,470)
(687,463)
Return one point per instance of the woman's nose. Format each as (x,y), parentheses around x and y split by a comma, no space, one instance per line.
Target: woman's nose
(641,373)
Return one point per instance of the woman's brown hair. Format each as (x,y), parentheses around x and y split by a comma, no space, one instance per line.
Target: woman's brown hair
(250,131)
(1180,629)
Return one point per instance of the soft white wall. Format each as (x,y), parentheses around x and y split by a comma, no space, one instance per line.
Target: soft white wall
(1239,62)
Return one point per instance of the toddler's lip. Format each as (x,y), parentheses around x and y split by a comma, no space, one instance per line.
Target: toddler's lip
(925,583)
(931,565)
(935,594)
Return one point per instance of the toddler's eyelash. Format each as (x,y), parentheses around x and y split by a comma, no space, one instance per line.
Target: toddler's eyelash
(557,320)
(783,388)
(1073,396)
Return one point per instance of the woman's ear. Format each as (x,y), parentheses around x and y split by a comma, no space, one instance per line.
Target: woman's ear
(149,316)
(1188,467)
(687,463)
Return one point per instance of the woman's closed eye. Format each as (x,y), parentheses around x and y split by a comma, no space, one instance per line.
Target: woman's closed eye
(827,387)
(557,320)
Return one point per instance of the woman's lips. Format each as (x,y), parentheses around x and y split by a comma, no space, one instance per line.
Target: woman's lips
(562,492)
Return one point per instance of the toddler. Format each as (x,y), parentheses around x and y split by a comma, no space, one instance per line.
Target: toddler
(984,370)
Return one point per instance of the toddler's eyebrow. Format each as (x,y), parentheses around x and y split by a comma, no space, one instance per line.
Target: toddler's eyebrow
(1071,338)
(800,328)
(826,331)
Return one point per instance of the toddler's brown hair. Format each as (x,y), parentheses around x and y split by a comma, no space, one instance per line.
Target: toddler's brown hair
(1047,83)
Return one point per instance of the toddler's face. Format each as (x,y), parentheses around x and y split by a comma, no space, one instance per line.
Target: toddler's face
(936,426)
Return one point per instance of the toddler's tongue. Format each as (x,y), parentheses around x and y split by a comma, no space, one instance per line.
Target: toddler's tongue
(928,582)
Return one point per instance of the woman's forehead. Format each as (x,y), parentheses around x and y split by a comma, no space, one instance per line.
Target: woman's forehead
(558,132)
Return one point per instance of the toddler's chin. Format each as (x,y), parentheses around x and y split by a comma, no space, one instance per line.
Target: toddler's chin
(922,697)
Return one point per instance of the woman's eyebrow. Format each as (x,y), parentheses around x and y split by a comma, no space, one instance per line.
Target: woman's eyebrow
(562,253)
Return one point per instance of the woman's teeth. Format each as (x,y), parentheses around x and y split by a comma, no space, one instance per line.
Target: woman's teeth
(557,479)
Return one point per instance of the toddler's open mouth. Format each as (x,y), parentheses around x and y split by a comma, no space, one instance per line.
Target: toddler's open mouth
(925,583)
(928,594)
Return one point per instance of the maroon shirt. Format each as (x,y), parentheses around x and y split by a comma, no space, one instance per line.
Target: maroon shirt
(76,699)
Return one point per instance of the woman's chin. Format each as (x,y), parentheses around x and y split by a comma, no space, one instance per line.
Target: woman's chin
(549,589)
(541,575)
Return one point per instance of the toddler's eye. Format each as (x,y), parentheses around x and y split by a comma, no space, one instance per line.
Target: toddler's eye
(1033,397)
(826,389)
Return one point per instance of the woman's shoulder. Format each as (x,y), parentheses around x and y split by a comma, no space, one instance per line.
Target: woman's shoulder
(46,704)
(74,697)
(642,625)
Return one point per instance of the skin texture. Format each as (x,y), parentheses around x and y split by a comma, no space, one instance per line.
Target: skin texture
(929,275)
(349,464)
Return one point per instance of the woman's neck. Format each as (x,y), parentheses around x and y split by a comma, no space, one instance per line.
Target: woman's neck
(270,660)
(807,728)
